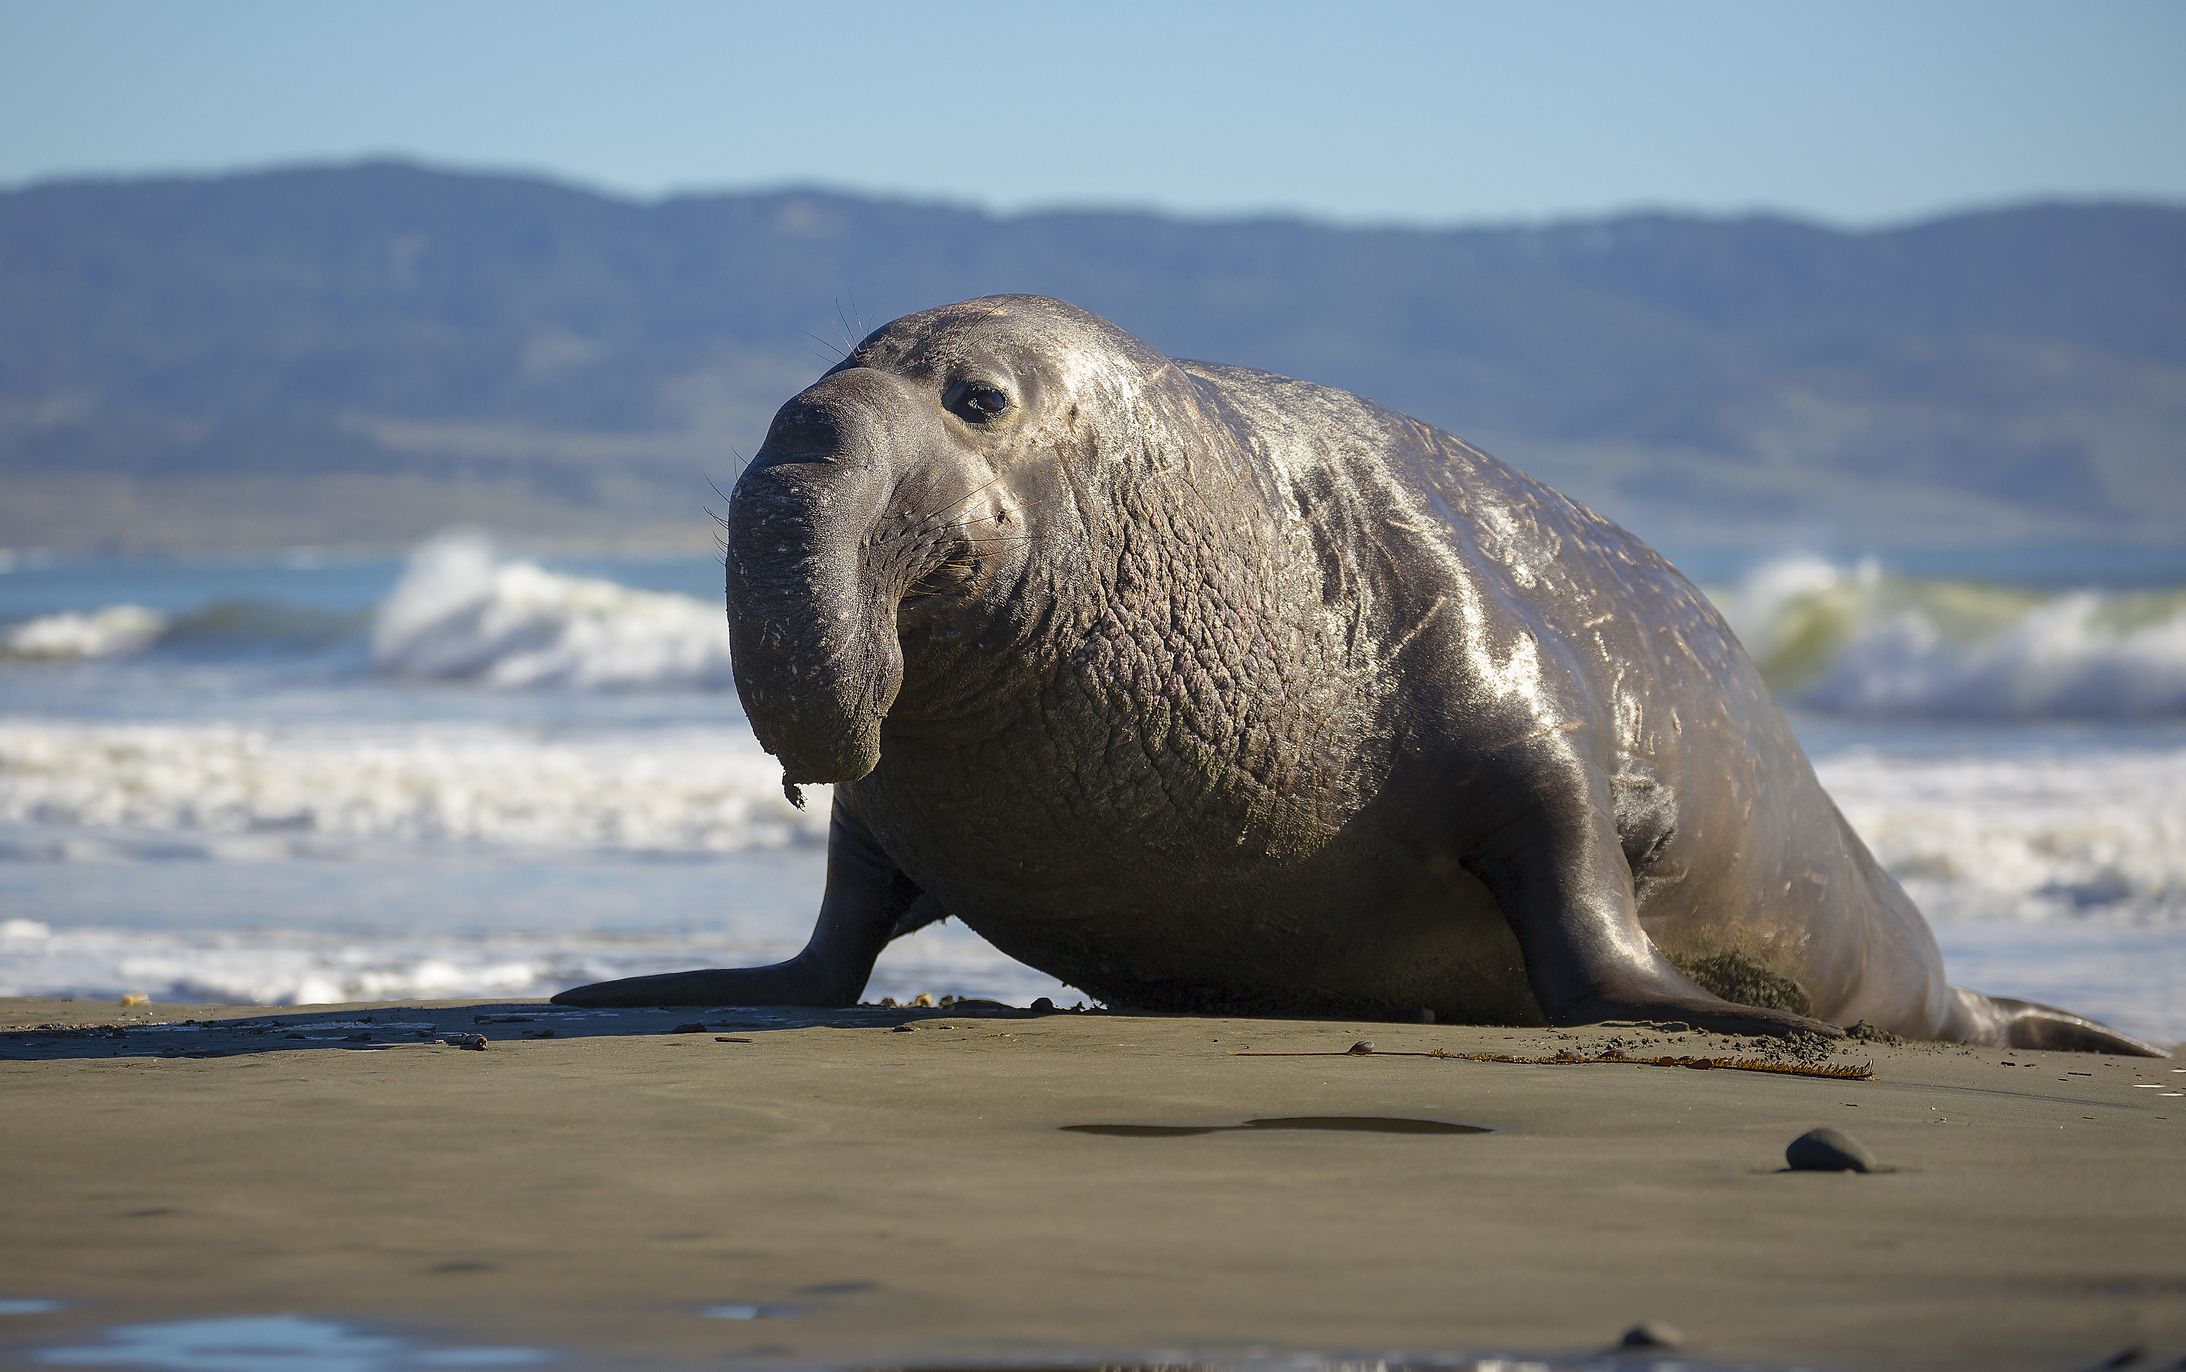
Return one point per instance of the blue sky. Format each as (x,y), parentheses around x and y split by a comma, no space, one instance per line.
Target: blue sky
(1848,111)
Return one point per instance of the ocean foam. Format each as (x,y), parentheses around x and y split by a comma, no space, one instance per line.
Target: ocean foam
(225,791)
(247,968)
(462,612)
(2083,834)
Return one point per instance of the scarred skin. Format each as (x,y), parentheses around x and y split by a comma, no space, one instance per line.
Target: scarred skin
(1204,688)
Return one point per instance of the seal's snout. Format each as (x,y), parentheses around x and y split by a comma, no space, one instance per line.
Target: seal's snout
(813,638)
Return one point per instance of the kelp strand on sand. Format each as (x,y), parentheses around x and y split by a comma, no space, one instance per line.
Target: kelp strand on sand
(1565,1057)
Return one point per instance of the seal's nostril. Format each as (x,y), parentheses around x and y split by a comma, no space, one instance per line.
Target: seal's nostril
(801,432)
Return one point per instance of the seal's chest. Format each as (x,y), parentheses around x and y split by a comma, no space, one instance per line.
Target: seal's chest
(1048,813)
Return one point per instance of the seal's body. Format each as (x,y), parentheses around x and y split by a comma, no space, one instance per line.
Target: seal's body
(1199,687)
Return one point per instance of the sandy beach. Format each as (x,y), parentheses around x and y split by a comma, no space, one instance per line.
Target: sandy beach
(919,1187)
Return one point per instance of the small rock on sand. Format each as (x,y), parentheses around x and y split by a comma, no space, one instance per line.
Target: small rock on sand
(1651,1334)
(1828,1150)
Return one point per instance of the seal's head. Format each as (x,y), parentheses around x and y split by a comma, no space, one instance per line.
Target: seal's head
(915,508)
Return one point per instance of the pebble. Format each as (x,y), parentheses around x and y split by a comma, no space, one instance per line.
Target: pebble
(1651,1334)
(904,1029)
(475,1042)
(1828,1150)
(1043,1006)
(1361,1048)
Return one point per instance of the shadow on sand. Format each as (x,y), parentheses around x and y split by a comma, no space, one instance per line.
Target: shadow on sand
(451,1028)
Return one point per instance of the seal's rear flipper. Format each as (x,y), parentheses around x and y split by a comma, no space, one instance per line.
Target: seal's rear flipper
(2004,1022)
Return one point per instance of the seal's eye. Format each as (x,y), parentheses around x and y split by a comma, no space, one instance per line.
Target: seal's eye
(982,402)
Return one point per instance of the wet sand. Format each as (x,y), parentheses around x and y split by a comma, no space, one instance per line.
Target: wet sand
(822,1189)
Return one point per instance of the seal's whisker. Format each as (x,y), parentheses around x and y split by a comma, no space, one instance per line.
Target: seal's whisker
(719,517)
(973,494)
(850,340)
(976,541)
(966,523)
(928,525)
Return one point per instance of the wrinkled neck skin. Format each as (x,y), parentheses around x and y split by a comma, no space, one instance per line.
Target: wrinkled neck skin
(1163,652)
(1125,531)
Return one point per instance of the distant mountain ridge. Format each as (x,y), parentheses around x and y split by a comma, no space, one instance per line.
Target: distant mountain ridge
(365,353)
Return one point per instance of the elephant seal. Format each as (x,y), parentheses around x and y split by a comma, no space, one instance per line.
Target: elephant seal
(1202,688)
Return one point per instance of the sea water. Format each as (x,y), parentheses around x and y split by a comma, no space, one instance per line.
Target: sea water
(306,777)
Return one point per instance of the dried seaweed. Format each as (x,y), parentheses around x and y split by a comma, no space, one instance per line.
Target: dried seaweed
(1565,1057)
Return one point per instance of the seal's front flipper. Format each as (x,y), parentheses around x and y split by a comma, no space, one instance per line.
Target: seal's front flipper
(868,902)
(1561,879)
(2003,1022)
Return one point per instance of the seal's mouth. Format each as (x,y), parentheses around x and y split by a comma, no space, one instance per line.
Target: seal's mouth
(848,757)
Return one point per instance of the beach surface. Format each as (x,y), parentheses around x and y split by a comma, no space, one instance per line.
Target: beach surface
(983,1186)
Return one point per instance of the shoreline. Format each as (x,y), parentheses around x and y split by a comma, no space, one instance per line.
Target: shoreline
(935,1196)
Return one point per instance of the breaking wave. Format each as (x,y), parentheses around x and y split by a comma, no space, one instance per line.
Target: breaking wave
(1850,641)
(116,631)
(1864,643)
(464,613)
(222,626)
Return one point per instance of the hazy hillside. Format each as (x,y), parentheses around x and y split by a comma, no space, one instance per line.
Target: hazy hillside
(371,352)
